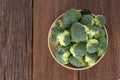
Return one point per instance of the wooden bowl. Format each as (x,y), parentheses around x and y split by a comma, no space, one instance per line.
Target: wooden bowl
(52,49)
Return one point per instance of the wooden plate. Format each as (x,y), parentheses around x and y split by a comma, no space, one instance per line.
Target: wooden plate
(52,48)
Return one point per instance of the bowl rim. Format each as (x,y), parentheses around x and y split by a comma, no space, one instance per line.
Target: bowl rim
(74,68)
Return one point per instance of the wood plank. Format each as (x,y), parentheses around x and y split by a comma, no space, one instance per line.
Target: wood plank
(15,39)
(109,67)
(44,66)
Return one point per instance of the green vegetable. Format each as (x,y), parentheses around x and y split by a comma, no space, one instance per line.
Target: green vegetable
(102,46)
(92,46)
(80,37)
(64,38)
(90,58)
(95,32)
(78,32)
(54,32)
(62,54)
(86,19)
(78,50)
(86,11)
(70,16)
(59,23)
(75,62)
(53,38)
(100,21)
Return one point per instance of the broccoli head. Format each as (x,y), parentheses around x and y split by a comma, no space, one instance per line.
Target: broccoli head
(92,46)
(102,45)
(78,50)
(64,38)
(62,54)
(70,17)
(85,11)
(78,32)
(86,19)
(59,23)
(53,38)
(95,31)
(100,21)
(54,32)
(91,58)
(76,62)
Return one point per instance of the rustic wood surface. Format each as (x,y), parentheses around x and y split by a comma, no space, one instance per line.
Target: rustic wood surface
(24,26)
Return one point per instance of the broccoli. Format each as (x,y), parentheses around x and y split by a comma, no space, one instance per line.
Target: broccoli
(92,46)
(102,46)
(64,38)
(78,50)
(80,37)
(95,32)
(62,54)
(76,62)
(59,23)
(78,32)
(70,17)
(86,19)
(85,11)
(91,58)
(53,38)
(100,21)
(54,32)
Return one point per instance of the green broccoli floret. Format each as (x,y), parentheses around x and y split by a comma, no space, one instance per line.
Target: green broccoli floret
(85,11)
(86,19)
(62,54)
(78,32)
(92,46)
(102,46)
(95,32)
(59,23)
(78,50)
(54,32)
(53,38)
(100,21)
(91,59)
(70,16)
(64,38)
(76,62)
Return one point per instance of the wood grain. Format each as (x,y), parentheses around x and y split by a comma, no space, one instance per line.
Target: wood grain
(44,67)
(24,26)
(15,40)
(109,67)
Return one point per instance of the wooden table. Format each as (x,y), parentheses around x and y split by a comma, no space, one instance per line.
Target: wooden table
(24,53)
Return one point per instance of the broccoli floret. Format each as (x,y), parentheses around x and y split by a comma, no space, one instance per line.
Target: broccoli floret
(59,23)
(91,58)
(86,19)
(75,62)
(95,32)
(86,11)
(64,38)
(78,50)
(92,46)
(70,16)
(54,32)
(62,54)
(53,38)
(100,21)
(78,32)
(101,33)
(102,46)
